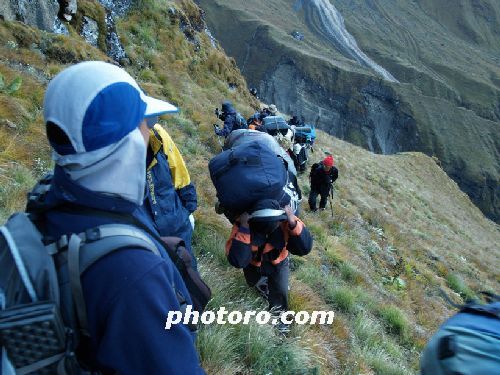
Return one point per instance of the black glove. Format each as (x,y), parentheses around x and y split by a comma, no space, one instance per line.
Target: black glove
(216,129)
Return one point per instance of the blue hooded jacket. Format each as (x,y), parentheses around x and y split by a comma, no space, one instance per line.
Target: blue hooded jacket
(168,207)
(232,120)
(128,293)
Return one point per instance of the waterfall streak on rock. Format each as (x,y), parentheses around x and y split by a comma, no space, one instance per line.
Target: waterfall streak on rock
(332,27)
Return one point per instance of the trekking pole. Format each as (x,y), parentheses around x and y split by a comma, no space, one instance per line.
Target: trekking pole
(219,138)
(331,199)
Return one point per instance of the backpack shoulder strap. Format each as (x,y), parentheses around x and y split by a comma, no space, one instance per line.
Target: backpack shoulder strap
(36,197)
(105,239)
(97,243)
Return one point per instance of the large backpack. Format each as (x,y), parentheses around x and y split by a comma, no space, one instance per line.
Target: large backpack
(275,124)
(468,343)
(305,134)
(42,310)
(247,173)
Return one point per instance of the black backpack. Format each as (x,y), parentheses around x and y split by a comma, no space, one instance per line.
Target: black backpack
(314,167)
(40,329)
(240,122)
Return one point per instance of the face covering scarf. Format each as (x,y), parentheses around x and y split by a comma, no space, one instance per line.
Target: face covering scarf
(118,169)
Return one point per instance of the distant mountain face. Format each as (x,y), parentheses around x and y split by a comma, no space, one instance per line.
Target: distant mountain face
(388,75)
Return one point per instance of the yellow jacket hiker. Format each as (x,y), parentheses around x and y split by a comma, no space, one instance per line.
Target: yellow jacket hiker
(170,197)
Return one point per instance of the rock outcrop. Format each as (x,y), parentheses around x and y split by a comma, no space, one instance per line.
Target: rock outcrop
(366,112)
(67,9)
(38,13)
(90,31)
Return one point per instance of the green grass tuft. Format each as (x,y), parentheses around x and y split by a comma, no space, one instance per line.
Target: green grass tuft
(218,350)
(208,242)
(342,298)
(14,185)
(457,284)
(349,273)
(395,321)
(382,366)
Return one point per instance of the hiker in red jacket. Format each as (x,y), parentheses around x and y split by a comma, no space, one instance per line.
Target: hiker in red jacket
(322,176)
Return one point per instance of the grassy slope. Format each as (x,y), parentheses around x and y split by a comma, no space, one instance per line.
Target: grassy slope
(394,216)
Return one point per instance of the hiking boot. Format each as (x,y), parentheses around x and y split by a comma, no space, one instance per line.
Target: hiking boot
(322,208)
(262,287)
(283,328)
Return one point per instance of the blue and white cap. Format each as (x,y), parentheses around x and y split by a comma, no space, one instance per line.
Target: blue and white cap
(99,106)
(96,104)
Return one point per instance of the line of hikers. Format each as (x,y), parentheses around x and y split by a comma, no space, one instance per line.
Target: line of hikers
(233,120)
(322,174)
(295,136)
(103,251)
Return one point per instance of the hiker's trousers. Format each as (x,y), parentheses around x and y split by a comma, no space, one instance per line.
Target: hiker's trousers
(313,196)
(277,283)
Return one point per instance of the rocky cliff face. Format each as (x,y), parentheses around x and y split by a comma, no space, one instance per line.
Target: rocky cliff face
(444,99)
(38,13)
(366,112)
(95,21)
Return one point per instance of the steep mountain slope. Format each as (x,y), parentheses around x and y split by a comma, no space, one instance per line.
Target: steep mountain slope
(400,227)
(445,55)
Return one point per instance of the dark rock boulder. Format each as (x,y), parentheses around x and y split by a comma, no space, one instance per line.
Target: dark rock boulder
(67,9)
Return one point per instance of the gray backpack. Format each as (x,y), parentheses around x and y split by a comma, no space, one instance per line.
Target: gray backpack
(40,326)
(468,343)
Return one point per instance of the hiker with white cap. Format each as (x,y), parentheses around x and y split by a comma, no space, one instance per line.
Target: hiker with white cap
(273,110)
(95,119)
(260,243)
